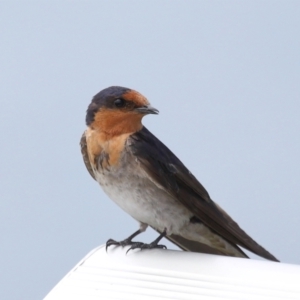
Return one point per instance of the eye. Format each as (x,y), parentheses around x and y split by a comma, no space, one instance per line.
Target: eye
(119,102)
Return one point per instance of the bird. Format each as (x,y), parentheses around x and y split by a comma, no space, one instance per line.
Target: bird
(145,179)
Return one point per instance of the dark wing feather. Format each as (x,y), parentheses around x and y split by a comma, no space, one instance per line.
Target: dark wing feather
(169,172)
(192,246)
(85,156)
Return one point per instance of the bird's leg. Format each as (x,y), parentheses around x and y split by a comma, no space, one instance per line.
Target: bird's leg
(152,245)
(125,242)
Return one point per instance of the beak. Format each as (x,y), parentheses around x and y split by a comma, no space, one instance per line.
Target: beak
(147,109)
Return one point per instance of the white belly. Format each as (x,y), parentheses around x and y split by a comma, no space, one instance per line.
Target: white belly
(131,189)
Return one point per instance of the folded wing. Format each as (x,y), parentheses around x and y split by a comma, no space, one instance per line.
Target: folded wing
(169,173)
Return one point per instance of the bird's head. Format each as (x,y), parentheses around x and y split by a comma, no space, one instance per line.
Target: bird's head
(117,110)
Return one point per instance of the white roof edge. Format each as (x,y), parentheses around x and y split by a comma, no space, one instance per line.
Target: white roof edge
(170,274)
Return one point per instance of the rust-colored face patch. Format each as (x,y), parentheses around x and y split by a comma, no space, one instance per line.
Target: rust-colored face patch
(137,98)
(117,122)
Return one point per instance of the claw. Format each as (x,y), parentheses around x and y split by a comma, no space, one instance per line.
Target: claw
(111,242)
(137,245)
(142,246)
(126,242)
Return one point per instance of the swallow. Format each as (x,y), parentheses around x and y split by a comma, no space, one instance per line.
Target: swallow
(144,178)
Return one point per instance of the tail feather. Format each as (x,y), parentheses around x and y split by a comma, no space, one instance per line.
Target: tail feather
(193,246)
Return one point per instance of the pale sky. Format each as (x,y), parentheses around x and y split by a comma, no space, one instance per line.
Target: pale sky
(225,77)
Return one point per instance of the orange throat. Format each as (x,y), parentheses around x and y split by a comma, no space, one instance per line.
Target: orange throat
(114,123)
(108,134)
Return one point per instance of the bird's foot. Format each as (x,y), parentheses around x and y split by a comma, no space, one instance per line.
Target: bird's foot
(139,245)
(123,243)
(126,242)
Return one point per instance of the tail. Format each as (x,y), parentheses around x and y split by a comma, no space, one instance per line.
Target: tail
(193,246)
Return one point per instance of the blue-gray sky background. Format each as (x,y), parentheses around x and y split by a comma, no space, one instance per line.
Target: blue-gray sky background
(225,77)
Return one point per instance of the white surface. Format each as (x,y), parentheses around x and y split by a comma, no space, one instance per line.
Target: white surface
(166,274)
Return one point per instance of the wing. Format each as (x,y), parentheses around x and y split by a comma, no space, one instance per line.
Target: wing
(85,156)
(169,173)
